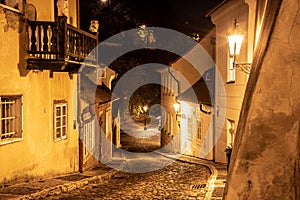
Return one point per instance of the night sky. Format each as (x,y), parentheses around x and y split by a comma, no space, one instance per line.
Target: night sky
(186,16)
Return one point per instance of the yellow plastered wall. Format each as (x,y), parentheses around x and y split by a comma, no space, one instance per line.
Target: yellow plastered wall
(224,18)
(45,10)
(36,154)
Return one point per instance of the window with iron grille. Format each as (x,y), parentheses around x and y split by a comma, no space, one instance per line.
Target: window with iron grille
(11,118)
(60,121)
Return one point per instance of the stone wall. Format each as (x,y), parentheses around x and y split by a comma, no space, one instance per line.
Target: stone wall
(266,153)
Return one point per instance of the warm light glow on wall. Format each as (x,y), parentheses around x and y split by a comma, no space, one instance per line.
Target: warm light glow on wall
(176,107)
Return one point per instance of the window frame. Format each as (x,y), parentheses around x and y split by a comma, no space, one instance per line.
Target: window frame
(18,122)
(231,70)
(60,104)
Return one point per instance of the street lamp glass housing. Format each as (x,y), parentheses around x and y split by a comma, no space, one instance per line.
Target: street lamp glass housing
(235,43)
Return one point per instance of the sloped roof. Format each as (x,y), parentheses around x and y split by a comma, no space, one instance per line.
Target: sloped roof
(203,91)
(198,93)
(92,93)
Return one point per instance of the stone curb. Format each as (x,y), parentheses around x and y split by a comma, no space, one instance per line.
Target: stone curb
(214,172)
(213,177)
(55,190)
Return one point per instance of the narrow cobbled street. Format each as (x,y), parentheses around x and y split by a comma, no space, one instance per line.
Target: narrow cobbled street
(175,180)
(137,170)
(178,181)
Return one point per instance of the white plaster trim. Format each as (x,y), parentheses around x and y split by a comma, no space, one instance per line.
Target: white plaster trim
(10,140)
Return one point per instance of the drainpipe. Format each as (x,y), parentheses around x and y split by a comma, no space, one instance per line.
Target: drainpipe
(215,111)
(80,132)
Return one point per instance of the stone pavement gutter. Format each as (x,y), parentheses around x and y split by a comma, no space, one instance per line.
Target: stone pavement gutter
(216,182)
(56,185)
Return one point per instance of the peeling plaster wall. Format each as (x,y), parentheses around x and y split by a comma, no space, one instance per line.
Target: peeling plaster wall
(265,161)
(36,154)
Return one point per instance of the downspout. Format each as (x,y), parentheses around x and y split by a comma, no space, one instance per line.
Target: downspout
(215,111)
(80,144)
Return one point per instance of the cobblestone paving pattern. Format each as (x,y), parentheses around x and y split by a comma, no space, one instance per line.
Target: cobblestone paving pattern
(171,182)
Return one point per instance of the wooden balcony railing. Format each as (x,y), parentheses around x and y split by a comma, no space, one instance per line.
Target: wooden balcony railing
(59,46)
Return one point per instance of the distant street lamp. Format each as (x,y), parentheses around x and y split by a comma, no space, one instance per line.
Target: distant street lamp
(105,1)
(177,109)
(145,108)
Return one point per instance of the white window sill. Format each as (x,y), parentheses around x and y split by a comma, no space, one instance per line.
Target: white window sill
(10,140)
(60,139)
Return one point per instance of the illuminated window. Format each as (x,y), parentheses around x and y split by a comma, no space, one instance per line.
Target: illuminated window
(190,128)
(89,136)
(231,70)
(11,118)
(60,121)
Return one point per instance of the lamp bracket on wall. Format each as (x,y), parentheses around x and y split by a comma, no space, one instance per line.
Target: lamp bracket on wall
(245,67)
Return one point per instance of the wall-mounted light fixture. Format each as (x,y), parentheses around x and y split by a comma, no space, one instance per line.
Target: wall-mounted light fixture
(177,110)
(235,43)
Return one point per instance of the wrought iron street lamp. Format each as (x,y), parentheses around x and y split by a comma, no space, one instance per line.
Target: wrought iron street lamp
(235,43)
(145,108)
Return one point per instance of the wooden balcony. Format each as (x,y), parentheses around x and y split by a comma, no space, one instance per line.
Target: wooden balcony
(58,46)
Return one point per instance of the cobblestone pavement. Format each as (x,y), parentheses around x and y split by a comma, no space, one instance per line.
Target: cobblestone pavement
(172,180)
(180,180)
(165,176)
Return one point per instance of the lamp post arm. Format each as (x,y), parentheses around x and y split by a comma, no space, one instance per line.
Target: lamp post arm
(245,67)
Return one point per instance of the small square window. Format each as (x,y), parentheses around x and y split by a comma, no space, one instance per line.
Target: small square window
(60,119)
(11,114)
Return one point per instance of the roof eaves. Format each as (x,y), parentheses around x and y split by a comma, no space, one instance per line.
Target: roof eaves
(210,12)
